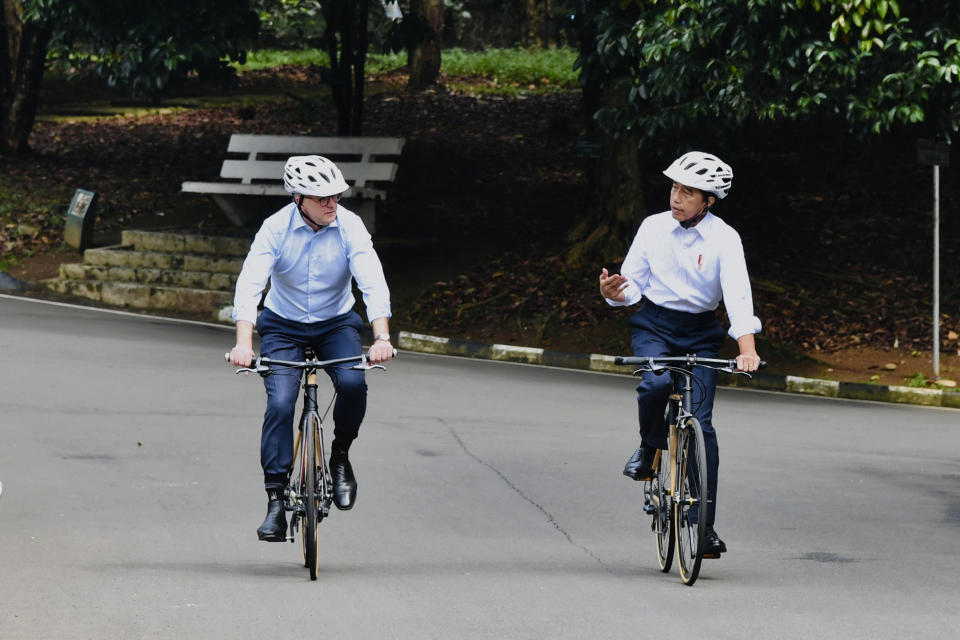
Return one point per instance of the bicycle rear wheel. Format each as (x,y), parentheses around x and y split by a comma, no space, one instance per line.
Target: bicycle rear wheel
(657,490)
(310,498)
(690,503)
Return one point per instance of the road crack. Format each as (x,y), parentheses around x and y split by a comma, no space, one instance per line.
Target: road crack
(550,519)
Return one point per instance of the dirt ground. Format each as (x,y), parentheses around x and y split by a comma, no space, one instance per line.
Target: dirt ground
(838,257)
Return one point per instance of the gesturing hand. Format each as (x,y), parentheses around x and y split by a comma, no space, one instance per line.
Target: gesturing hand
(612,286)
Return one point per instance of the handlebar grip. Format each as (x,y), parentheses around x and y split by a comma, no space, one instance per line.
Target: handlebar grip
(616,360)
(226,356)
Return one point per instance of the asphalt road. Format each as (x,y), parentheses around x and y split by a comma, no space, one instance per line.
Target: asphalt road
(491,504)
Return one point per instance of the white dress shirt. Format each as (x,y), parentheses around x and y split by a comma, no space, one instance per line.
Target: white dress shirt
(310,272)
(690,269)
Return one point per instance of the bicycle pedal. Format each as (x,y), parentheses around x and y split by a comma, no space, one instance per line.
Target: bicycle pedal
(712,556)
(649,509)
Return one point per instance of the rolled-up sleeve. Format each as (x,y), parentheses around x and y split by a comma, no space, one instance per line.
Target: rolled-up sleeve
(256,271)
(368,272)
(737,294)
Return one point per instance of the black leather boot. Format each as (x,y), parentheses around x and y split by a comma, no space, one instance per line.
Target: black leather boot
(274,527)
(640,464)
(344,484)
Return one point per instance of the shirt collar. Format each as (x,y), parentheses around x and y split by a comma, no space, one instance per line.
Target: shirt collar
(299,222)
(703,227)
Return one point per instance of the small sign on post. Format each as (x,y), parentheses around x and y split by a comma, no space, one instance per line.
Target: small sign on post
(587,149)
(935,154)
(78,230)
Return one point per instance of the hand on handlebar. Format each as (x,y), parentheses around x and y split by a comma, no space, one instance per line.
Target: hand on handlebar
(380,351)
(748,362)
(241,356)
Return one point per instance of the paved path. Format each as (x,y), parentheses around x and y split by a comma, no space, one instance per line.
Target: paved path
(491,504)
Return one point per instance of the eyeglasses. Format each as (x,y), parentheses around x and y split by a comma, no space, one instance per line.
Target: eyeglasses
(325,201)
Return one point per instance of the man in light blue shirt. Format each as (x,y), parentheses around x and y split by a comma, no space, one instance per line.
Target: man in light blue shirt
(681,264)
(310,251)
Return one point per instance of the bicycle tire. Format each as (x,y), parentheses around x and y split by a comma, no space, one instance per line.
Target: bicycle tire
(690,500)
(310,501)
(658,495)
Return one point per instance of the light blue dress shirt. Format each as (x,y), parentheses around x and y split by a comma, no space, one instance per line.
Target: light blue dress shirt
(690,269)
(310,272)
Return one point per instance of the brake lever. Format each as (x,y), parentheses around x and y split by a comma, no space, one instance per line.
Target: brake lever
(367,367)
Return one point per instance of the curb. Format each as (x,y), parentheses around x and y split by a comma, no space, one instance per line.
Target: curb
(11,284)
(604,363)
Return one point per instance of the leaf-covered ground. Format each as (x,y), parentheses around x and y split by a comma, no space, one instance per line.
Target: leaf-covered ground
(838,233)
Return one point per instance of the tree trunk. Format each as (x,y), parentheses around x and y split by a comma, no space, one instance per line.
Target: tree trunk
(359,66)
(616,204)
(535,31)
(346,41)
(423,53)
(22,63)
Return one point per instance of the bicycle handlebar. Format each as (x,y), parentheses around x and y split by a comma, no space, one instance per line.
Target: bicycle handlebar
(655,363)
(262,364)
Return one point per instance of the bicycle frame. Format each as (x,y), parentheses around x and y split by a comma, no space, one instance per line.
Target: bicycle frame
(294,501)
(672,501)
(308,496)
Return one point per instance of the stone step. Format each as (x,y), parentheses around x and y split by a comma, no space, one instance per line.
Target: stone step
(179,243)
(144,296)
(127,256)
(143,275)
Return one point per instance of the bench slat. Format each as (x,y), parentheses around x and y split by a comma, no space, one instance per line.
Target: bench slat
(358,173)
(300,145)
(236,188)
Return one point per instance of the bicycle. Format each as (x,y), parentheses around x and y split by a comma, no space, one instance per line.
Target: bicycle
(309,491)
(673,493)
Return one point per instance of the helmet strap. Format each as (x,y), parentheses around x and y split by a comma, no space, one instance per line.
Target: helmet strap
(310,221)
(692,222)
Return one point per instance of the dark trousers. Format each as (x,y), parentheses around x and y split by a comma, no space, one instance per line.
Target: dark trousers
(286,340)
(663,332)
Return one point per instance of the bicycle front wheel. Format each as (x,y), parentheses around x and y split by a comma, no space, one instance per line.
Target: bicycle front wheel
(657,491)
(690,503)
(310,498)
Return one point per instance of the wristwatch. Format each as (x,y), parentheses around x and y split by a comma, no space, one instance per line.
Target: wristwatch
(382,336)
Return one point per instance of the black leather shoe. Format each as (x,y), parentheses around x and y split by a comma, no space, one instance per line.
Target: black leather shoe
(712,544)
(344,484)
(274,528)
(640,465)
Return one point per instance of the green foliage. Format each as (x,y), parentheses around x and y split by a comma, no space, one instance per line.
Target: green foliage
(873,63)
(148,47)
(917,380)
(289,21)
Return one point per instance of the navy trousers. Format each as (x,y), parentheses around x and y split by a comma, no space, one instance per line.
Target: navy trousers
(284,339)
(657,331)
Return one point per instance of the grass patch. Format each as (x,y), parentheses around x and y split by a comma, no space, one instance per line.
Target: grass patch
(541,67)
(504,71)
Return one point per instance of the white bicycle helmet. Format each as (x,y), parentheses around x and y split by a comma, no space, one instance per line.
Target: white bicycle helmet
(702,171)
(313,176)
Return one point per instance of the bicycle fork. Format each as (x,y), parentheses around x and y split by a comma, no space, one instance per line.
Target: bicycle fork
(295,503)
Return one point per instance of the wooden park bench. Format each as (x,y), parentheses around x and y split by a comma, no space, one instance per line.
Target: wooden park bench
(252,184)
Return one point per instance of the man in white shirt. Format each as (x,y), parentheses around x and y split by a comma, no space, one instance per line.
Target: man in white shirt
(310,251)
(681,264)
